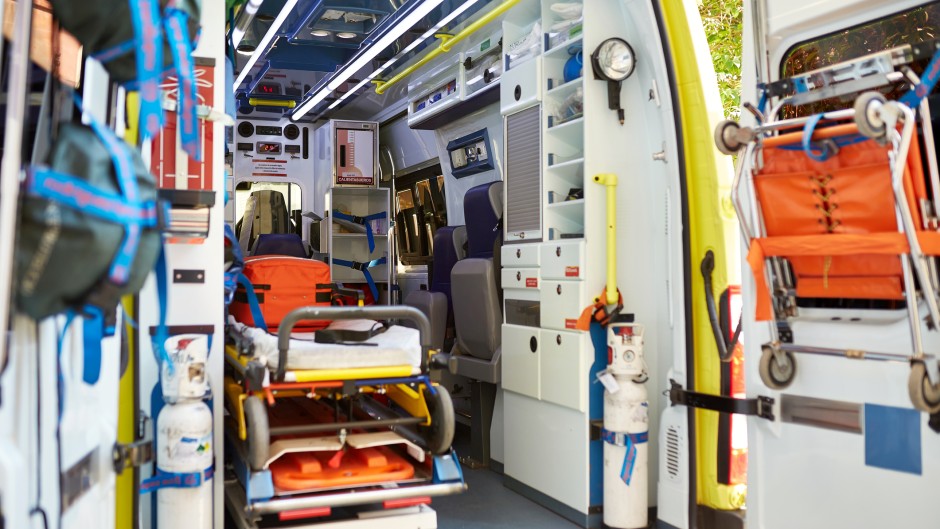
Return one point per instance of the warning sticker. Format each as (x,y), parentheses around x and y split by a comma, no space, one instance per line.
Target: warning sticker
(571,324)
(531,282)
(191,447)
(269,168)
(572,271)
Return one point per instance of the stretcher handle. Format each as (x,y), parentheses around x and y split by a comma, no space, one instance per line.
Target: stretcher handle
(371,312)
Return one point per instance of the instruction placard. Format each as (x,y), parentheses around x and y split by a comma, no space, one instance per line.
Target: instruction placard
(355,157)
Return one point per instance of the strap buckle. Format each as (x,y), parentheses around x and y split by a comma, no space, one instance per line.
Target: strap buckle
(136,454)
(762,407)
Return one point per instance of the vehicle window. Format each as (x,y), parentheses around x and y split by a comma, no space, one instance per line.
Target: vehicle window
(291,192)
(420,212)
(909,27)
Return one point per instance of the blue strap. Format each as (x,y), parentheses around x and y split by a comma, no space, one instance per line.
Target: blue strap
(235,267)
(629,441)
(77,194)
(927,83)
(145,15)
(177,480)
(256,315)
(92,334)
(818,153)
(364,221)
(108,55)
(176,22)
(364,268)
(161,335)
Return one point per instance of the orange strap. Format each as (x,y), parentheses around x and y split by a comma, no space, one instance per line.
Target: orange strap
(598,311)
(826,245)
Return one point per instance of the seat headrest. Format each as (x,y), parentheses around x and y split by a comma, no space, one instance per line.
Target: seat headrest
(483,207)
(280,244)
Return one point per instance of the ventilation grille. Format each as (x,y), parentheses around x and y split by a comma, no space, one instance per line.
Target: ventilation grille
(523,189)
(672,452)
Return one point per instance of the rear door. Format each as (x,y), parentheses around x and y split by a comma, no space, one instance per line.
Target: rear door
(846,447)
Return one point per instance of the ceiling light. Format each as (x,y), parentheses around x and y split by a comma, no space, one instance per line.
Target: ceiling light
(320,33)
(266,41)
(346,35)
(366,56)
(244,20)
(245,49)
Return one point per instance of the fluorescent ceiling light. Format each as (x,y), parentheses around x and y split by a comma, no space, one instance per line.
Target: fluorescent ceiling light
(390,36)
(391,62)
(251,8)
(266,41)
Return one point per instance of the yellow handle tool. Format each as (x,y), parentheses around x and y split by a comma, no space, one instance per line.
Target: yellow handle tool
(609,180)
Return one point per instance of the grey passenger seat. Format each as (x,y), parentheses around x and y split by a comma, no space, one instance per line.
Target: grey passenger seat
(478,312)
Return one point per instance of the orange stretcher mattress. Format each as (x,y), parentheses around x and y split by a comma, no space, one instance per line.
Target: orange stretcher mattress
(346,468)
(816,213)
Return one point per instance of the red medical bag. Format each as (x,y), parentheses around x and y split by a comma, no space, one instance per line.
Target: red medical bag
(283,284)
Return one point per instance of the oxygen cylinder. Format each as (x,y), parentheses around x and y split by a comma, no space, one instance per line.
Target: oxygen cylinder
(185,450)
(626,429)
(184,446)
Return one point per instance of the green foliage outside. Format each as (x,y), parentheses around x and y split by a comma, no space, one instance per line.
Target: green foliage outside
(722,20)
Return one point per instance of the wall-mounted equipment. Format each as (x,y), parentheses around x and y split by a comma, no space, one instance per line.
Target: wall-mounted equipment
(613,61)
(269,147)
(188,220)
(470,154)
(438,90)
(355,153)
(483,65)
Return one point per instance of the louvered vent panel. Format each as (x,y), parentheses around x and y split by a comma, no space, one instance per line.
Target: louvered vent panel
(523,164)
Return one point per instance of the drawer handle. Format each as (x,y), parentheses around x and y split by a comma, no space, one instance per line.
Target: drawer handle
(517,93)
(558,289)
(558,339)
(558,251)
(518,253)
(533,344)
(518,276)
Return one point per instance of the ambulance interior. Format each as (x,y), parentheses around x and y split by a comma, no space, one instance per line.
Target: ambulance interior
(483,263)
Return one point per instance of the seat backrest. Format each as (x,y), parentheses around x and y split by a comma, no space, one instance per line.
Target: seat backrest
(483,207)
(288,244)
(477,311)
(477,315)
(271,214)
(448,250)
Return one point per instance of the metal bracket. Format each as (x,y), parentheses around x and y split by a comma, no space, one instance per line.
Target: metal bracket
(761,406)
(137,453)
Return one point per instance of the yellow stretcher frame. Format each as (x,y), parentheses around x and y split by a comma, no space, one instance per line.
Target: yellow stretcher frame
(403,395)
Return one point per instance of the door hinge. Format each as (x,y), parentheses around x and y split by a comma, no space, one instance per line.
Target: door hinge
(761,406)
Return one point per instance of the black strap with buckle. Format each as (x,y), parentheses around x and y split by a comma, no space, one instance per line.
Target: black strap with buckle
(762,407)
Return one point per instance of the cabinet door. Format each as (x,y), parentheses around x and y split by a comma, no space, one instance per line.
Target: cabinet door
(562,303)
(521,360)
(563,260)
(564,368)
(523,216)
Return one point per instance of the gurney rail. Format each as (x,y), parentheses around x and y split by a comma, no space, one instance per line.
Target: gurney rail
(374,312)
(348,499)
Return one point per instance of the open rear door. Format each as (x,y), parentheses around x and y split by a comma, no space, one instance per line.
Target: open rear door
(847,445)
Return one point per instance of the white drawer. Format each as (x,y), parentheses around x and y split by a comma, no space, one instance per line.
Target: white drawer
(521,360)
(520,87)
(565,367)
(561,304)
(520,278)
(562,260)
(519,255)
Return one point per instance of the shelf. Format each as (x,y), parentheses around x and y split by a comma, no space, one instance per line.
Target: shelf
(566,165)
(574,126)
(565,89)
(563,47)
(571,209)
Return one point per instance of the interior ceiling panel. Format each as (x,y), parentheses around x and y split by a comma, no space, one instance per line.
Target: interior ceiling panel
(319,37)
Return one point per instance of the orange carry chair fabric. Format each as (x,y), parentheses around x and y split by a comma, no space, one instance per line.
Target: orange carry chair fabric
(283,284)
(835,220)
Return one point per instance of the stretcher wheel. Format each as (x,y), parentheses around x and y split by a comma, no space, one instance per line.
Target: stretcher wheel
(772,373)
(725,137)
(440,434)
(869,123)
(924,395)
(259,435)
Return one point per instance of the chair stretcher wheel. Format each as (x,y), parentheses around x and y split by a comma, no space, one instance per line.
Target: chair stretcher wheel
(725,138)
(440,434)
(866,117)
(774,374)
(259,435)
(924,395)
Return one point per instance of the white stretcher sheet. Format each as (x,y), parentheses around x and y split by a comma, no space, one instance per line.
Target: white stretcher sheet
(397,346)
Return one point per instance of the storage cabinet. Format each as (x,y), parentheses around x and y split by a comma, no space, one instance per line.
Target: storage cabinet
(564,368)
(348,240)
(521,360)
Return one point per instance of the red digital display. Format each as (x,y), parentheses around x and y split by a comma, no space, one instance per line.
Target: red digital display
(269,88)
(269,148)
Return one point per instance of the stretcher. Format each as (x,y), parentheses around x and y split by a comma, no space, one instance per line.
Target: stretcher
(316,426)
(839,210)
